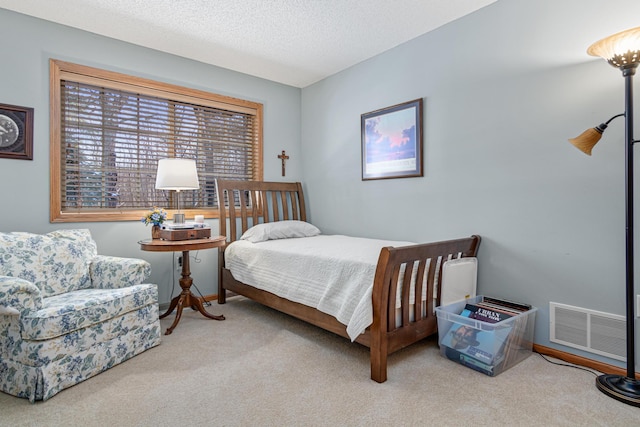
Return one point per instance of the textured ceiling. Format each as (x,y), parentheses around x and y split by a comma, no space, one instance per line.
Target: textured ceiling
(295,42)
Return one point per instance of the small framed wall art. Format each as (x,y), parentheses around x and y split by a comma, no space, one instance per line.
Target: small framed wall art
(392,141)
(16,132)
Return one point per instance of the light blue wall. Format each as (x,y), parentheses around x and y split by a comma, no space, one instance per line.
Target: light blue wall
(503,89)
(24,81)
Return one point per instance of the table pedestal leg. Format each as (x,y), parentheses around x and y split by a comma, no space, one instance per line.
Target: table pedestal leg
(186,297)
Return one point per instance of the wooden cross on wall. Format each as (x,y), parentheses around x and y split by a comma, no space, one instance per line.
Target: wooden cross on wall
(283,157)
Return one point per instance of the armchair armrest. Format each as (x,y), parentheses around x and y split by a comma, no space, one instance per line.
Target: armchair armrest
(109,272)
(18,295)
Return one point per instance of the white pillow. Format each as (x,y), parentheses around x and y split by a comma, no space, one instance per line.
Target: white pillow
(280,230)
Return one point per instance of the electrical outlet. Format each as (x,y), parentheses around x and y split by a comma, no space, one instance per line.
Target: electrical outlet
(178,262)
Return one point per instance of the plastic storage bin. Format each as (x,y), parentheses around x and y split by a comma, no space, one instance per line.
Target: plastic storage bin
(490,348)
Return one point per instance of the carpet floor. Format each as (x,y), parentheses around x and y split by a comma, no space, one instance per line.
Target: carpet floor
(263,368)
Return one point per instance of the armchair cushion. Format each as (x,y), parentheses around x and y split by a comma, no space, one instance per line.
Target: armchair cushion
(56,262)
(109,272)
(71,311)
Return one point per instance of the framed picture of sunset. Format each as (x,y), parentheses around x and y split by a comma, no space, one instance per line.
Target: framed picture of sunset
(392,142)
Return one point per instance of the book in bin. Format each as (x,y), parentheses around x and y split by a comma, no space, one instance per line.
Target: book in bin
(485,348)
(483,345)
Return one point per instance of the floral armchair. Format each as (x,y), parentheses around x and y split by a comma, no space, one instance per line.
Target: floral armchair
(67,313)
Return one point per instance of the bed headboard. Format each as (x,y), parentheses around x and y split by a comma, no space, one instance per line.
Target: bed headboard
(243,204)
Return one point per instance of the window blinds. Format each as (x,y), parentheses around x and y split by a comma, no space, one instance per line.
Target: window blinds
(112,139)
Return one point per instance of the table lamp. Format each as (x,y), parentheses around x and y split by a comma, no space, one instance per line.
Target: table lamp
(177,174)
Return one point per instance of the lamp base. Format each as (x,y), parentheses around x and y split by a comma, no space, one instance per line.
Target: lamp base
(178,218)
(624,389)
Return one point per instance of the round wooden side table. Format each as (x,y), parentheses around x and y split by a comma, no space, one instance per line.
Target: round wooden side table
(186,297)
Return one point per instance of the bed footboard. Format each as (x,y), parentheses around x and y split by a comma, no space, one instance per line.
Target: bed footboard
(403,315)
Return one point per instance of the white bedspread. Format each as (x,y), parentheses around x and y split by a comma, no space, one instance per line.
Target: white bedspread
(333,274)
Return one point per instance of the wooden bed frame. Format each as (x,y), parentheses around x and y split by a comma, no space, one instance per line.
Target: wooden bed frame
(245,203)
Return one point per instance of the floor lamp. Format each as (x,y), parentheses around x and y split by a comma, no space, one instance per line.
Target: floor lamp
(621,50)
(177,174)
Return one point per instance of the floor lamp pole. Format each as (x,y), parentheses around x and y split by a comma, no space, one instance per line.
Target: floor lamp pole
(628,78)
(627,389)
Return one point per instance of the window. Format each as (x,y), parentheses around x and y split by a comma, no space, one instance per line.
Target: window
(108,131)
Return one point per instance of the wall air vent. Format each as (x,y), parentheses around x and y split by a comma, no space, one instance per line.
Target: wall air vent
(588,330)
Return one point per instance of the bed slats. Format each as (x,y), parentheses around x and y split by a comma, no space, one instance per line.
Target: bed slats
(247,203)
(414,272)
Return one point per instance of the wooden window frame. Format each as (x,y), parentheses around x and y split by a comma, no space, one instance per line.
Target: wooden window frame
(61,70)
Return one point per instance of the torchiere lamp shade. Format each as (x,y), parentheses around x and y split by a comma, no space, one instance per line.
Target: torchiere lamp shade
(620,50)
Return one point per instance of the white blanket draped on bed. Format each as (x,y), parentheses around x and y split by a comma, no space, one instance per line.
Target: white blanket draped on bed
(333,274)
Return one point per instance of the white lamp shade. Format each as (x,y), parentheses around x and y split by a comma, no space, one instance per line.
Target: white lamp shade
(177,174)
